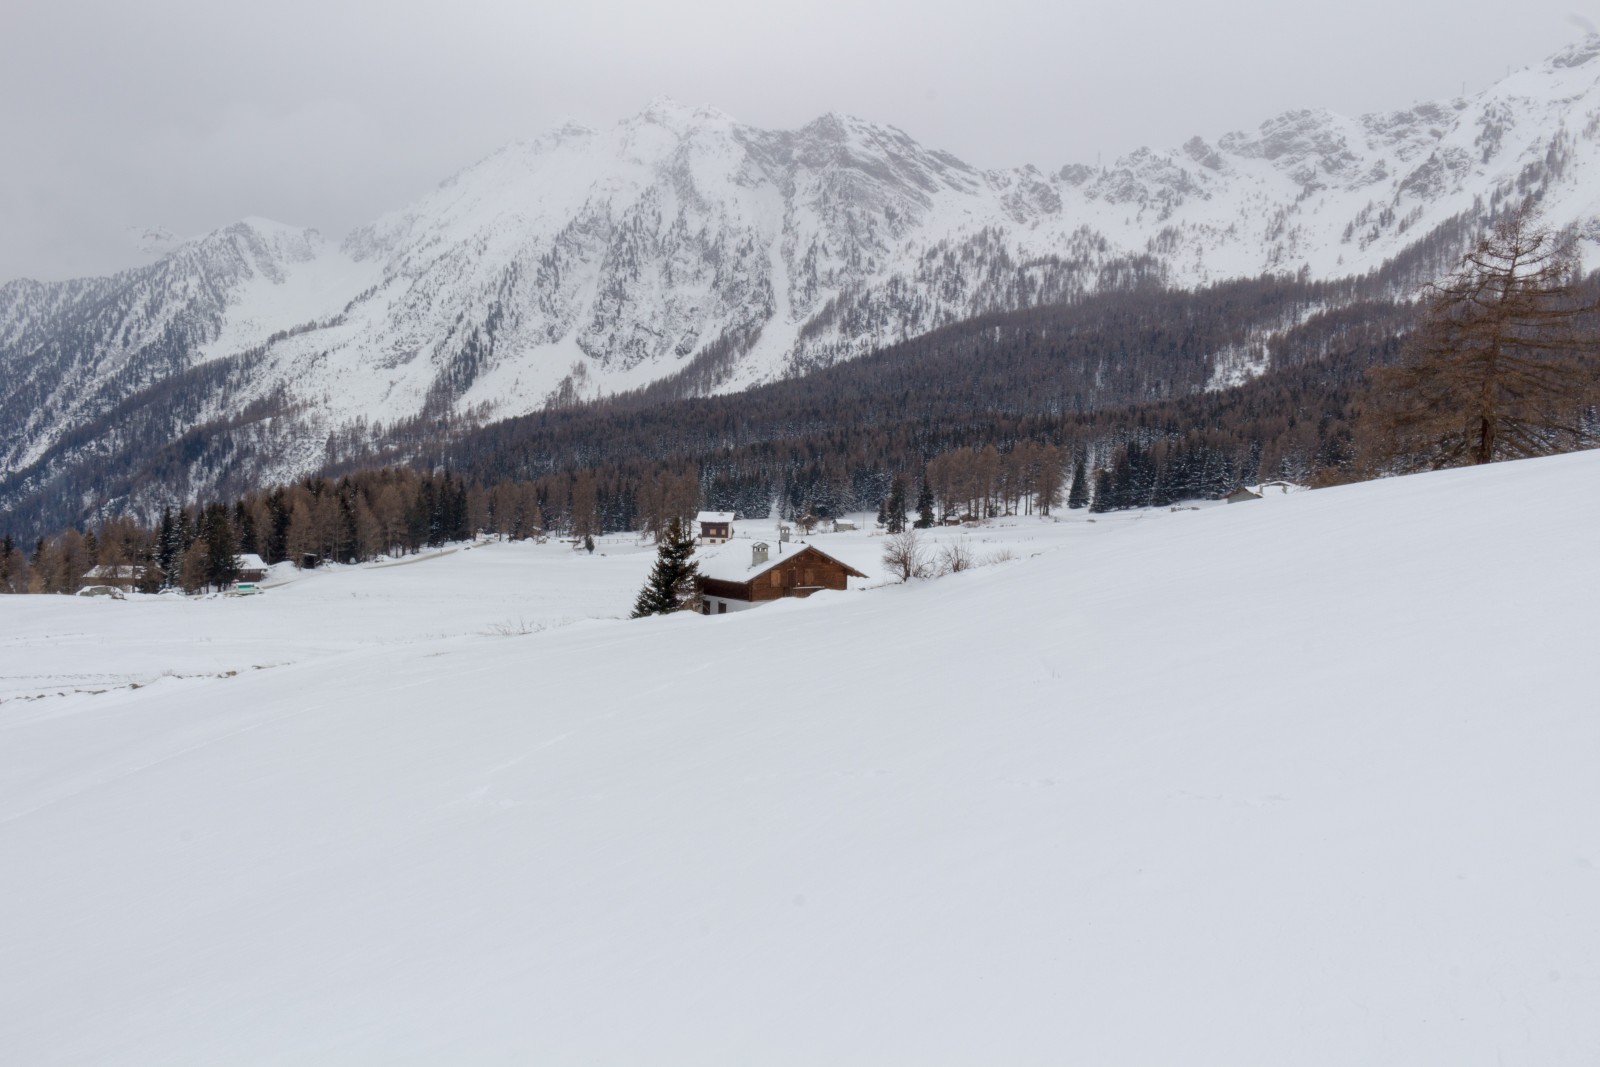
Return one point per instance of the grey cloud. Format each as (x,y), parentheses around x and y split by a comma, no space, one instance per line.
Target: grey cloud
(189,115)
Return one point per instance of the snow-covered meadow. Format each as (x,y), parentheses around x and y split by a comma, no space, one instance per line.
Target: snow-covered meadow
(1308,780)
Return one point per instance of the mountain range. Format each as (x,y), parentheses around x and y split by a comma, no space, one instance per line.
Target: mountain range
(688,253)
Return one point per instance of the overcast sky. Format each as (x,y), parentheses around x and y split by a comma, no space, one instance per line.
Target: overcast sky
(189,115)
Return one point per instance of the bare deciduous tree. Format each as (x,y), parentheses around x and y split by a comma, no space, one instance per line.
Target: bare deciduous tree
(956,556)
(1498,368)
(904,555)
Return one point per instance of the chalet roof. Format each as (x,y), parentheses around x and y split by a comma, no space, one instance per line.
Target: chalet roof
(249,561)
(714,516)
(731,562)
(125,571)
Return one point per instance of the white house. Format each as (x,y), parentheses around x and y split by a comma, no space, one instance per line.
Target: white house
(715,527)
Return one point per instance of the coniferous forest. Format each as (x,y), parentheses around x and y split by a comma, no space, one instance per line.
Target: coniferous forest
(1120,401)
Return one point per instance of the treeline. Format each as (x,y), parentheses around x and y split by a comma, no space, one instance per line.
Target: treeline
(991,415)
(358,517)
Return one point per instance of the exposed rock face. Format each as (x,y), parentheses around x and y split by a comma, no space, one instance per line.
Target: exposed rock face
(682,243)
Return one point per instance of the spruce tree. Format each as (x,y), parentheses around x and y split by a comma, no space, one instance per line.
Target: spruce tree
(924,505)
(221,551)
(894,510)
(1102,492)
(671,585)
(244,524)
(1078,495)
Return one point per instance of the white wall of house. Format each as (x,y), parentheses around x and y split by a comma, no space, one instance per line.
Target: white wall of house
(717,603)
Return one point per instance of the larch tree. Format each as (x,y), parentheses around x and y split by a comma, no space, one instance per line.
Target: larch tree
(1499,366)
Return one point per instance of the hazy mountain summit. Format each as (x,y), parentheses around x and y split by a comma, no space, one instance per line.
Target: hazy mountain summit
(682,245)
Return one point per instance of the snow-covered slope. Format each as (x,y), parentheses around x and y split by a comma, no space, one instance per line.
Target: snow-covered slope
(683,243)
(1306,780)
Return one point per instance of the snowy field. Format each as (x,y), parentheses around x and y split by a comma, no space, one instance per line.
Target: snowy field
(1310,780)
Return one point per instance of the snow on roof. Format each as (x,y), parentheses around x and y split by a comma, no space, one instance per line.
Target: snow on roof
(249,561)
(714,516)
(105,570)
(732,562)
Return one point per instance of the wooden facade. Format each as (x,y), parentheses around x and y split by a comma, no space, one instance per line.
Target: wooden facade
(126,577)
(716,527)
(798,574)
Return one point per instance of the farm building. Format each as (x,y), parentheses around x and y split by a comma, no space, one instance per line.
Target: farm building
(124,577)
(252,568)
(1240,494)
(715,527)
(740,576)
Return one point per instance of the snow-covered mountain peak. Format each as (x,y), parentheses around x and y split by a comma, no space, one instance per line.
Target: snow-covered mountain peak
(681,244)
(1576,54)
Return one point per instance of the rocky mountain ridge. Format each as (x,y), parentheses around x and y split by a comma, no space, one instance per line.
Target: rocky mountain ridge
(684,251)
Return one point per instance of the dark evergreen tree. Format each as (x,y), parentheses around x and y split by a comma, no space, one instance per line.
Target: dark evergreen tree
(671,585)
(244,525)
(278,512)
(894,509)
(1102,492)
(924,505)
(221,550)
(169,548)
(1078,495)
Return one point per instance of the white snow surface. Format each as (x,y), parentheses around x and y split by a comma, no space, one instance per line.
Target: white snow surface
(590,262)
(1308,781)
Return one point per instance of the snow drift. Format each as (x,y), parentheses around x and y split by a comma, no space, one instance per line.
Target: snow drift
(1305,780)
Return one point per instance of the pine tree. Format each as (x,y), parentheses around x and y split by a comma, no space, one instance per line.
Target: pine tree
(671,585)
(1102,492)
(221,550)
(1078,495)
(244,524)
(924,505)
(169,549)
(894,510)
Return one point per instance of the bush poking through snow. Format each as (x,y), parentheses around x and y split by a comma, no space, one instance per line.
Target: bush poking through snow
(956,556)
(904,556)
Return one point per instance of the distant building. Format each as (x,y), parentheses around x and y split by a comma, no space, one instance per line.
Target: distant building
(732,578)
(715,527)
(1241,493)
(252,568)
(843,525)
(124,577)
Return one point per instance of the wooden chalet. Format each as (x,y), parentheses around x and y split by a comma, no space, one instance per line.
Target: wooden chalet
(124,577)
(252,568)
(715,527)
(735,577)
(1241,494)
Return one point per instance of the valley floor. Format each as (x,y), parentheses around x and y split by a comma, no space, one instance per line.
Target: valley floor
(1310,780)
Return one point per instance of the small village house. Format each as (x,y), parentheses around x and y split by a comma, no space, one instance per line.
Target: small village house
(252,568)
(1241,493)
(735,577)
(716,527)
(125,577)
